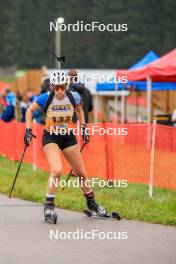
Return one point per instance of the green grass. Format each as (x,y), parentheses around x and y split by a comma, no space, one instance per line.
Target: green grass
(132,202)
(9,79)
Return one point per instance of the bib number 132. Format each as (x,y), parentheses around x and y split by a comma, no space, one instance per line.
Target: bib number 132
(61,119)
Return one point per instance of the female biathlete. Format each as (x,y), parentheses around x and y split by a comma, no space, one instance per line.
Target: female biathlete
(59,113)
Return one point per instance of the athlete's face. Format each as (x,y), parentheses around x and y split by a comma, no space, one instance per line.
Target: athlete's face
(59,90)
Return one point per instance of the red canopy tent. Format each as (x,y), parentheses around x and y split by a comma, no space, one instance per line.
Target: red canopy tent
(161,70)
(164,69)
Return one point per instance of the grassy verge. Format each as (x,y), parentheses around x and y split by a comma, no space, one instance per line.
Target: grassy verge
(9,79)
(133,202)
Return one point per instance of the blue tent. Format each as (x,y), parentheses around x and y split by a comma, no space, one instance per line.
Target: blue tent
(140,85)
(160,86)
(148,58)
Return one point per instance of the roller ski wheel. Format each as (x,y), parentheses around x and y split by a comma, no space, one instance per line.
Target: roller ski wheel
(97,211)
(51,219)
(106,215)
(116,215)
(87,212)
(49,214)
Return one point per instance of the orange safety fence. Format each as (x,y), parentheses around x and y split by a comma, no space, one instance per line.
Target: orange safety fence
(125,155)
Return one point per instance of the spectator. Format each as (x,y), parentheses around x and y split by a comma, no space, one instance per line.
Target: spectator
(10,97)
(19,98)
(9,111)
(45,87)
(85,94)
(3,103)
(30,97)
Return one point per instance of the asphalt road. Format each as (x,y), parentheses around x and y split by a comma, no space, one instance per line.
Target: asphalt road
(25,238)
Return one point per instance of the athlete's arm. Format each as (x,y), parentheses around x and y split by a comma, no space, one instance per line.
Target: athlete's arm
(80,114)
(29,113)
(78,108)
(81,118)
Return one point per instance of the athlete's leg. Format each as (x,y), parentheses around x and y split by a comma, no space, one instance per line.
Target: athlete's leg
(74,158)
(52,153)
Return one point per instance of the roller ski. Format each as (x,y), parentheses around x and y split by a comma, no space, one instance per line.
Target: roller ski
(94,210)
(49,214)
(113,215)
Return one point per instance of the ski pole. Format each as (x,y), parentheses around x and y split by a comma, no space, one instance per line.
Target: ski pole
(21,160)
(17,171)
(72,169)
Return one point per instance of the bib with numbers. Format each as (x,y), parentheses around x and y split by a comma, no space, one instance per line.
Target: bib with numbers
(59,114)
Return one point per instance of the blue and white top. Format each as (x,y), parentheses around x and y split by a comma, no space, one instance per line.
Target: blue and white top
(60,111)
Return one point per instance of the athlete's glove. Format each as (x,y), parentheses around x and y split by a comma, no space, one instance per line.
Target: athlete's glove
(28,136)
(85,135)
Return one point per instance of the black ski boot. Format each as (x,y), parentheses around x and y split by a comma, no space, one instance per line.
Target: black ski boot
(95,208)
(49,214)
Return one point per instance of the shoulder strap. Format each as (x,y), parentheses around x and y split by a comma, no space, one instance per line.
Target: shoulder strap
(50,98)
(71,98)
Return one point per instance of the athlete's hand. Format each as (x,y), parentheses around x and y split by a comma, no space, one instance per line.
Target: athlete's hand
(28,136)
(84,133)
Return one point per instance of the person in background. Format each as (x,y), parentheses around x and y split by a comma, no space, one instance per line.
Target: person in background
(25,103)
(76,86)
(9,111)
(3,103)
(30,96)
(45,81)
(19,98)
(10,97)
(45,87)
